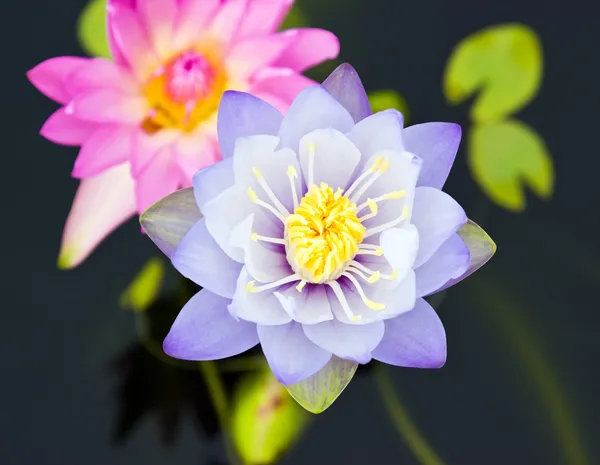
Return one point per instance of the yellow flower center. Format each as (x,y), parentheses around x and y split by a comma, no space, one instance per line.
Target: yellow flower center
(185,91)
(323,234)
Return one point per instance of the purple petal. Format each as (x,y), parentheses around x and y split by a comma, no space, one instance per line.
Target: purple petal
(449,262)
(381,131)
(481,249)
(414,339)
(199,258)
(291,355)
(311,306)
(345,85)
(352,342)
(437,216)
(210,182)
(204,330)
(400,246)
(313,108)
(436,144)
(266,265)
(335,158)
(262,308)
(242,115)
(169,220)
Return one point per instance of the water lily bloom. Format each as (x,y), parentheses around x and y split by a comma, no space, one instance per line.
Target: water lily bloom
(321,232)
(146,120)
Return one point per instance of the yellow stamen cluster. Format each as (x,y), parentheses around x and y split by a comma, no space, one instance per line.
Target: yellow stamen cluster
(323,234)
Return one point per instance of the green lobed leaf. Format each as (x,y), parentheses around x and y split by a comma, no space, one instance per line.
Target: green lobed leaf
(317,393)
(385,99)
(145,288)
(265,420)
(504,62)
(91,29)
(506,157)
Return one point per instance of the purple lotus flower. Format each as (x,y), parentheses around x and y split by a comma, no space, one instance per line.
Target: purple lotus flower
(321,232)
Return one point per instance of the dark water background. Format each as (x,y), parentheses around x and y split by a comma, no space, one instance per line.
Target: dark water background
(536,300)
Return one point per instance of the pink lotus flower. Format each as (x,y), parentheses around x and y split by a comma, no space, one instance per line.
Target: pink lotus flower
(146,121)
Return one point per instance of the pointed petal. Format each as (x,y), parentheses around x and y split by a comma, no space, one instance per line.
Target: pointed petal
(210,182)
(242,115)
(346,87)
(436,144)
(437,216)
(101,204)
(65,129)
(158,180)
(265,265)
(449,262)
(159,17)
(352,342)
(107,146)
(309,306)
(108,106)
(378,132)
(311,47)
(249,55)
(334,158)
(192,19)
(414,339)
(314,108)
(318,392)
(131,39)
(50,76)
(262,308)
(167,221)
(204,330)
(481,249)
(283,84)
(263,17)
(291,355)
(98,73)
(400,247)
(226,22)
(199,258)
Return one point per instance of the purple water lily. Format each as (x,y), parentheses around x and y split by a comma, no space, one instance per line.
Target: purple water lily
(321,232)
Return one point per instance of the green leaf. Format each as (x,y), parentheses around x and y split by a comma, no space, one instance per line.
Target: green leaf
(505,157)
(504,62)
(265,420)
(480,244)
(317,393)
(387,98)
(91,29)
(144,289)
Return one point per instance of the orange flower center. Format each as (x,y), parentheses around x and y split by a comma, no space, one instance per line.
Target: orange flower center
(184,92)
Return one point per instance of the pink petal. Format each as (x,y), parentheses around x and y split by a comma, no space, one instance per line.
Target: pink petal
(108,106)
(196,153)
(101,204)
(101,73)
(227,20)
(264,17)
(50,76)
(282,83)
(146,146)
(108,146)
(65,129)
(249,55)
(192,20)
(313,46)
(132,39)
(159,18)
(160,178)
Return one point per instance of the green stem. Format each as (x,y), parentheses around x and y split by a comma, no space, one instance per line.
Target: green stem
(401,420)
(216,390)
(546,382)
